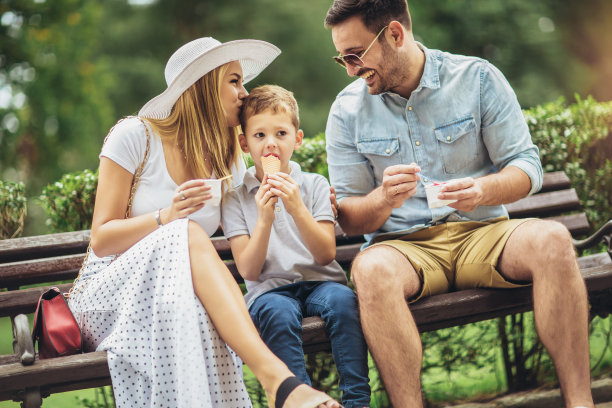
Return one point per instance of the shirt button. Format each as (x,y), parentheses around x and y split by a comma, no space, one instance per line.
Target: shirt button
(418,143)
(448,138)
(388,151)
(425,180)
(277,209)
(410,108)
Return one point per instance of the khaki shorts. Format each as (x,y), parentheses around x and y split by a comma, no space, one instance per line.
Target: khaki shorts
(457,255)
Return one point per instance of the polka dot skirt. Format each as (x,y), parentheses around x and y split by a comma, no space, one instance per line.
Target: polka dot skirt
(163,350)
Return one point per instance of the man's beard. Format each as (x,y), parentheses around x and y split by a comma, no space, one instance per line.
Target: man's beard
(389,78)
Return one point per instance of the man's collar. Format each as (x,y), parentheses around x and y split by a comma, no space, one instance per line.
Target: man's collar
(431,74)
(251,183)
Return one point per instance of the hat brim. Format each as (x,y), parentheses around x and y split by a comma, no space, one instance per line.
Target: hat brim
(254,56)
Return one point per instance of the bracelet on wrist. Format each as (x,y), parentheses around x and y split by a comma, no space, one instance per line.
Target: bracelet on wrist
(158,217)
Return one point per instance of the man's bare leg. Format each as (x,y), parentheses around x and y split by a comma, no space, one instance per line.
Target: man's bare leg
(388,325)
(542,251)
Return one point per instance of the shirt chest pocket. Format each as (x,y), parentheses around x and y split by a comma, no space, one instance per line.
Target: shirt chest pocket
(381,153)
(458,144)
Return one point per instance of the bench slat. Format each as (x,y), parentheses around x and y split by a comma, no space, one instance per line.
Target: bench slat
(24,301)
(577,224)
(544,204)
(44,245)
(57,268)
(66,243)
(468,306)
(555,180)
(66,267)
(430,314)
(55,371)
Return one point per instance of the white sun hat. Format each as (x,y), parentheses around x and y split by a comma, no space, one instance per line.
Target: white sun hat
(197,58)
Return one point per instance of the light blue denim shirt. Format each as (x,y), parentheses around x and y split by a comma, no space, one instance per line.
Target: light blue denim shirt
(463,120)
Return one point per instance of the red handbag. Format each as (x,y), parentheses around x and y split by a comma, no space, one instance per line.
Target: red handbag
(55,327)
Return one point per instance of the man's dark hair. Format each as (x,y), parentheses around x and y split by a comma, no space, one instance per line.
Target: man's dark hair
(375,14)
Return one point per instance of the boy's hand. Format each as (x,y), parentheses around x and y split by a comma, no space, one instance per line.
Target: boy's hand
(265,200)
(284,187)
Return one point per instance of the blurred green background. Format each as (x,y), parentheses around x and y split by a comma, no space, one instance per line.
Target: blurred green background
(70,68)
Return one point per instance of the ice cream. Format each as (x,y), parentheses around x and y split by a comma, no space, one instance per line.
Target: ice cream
(270,164)
(432,191)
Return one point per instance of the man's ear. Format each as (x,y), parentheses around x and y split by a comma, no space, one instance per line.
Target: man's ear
(299,138)
(398,32)
(243,143)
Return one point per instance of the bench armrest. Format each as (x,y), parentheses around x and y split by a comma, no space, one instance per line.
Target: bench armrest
(22,339)
(603,234)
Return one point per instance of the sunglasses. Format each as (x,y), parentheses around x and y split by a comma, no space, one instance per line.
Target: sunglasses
(355,60)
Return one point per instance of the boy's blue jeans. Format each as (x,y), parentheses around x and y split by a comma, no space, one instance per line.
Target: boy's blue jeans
(278,316)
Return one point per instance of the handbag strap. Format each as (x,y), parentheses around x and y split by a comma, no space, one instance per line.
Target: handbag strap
(133,187)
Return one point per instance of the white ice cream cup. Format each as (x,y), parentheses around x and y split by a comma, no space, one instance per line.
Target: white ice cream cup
(432,191)
(215,190)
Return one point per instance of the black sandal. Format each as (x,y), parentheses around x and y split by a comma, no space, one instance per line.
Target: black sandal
(287,386)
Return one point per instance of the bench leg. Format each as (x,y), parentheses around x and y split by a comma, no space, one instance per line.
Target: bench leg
(31,398)
(22,339)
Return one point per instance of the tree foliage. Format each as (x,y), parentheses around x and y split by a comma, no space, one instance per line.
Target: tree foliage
(54,88)
(70,68)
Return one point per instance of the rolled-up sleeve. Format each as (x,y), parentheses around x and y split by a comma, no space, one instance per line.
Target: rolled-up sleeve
(504,128)
(350,172)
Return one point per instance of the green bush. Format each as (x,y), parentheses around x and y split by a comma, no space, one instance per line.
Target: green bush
(577,139)
(69,202)
(12,209)
(312,155)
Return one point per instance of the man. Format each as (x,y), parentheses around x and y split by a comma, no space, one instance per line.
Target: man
(455,119)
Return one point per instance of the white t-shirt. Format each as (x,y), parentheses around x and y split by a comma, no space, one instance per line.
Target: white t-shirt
(126,146)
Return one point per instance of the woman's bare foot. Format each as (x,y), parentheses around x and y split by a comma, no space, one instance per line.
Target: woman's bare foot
(299,395)
(305,396)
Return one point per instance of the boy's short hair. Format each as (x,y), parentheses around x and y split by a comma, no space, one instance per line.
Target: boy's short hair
(270,97)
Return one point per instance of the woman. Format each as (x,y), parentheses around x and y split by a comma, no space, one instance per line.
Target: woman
(166,309)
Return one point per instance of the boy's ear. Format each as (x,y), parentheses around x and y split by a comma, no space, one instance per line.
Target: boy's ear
(243,143)
(299,138)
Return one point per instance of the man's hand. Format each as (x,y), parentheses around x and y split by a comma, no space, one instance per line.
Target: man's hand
(467,192)
(334,202)
(400,183)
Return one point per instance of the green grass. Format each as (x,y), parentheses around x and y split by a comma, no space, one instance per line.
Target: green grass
(63,400)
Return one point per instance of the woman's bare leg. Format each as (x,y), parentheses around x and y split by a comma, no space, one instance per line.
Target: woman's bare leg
(221,297)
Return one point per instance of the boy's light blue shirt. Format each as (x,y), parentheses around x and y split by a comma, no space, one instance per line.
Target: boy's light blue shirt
(463,120)
(288,259)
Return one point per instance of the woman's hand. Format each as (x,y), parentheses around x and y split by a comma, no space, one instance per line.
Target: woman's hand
(189,198)
(284,187)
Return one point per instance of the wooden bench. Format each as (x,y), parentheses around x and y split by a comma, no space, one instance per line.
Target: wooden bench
(57,257)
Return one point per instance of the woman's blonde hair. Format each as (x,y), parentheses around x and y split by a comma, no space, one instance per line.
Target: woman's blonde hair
(197,122)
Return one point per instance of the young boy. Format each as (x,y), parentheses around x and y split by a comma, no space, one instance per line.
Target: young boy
(281,232)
